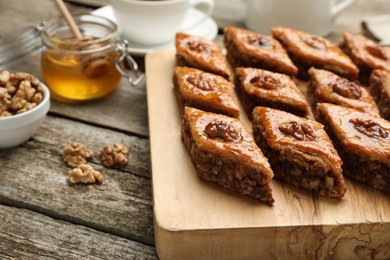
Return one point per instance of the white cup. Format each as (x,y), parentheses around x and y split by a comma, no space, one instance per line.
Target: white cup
(312,16)
(156,22)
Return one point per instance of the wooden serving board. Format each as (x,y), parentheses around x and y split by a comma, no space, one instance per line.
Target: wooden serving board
(194,219)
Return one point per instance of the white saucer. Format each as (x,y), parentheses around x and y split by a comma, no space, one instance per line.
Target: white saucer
(207,29)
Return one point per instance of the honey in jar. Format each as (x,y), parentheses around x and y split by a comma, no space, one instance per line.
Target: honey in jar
(85,69)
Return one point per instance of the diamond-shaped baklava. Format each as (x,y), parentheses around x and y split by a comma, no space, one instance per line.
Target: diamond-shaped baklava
(331,88)
(307,50)
(201,53)
(206,91)
(299,151)
(223,151)
(365,53)
(264,88)
(363,142)
(380,91)
(249,49)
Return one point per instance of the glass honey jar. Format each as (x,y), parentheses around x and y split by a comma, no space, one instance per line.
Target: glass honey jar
(78,70)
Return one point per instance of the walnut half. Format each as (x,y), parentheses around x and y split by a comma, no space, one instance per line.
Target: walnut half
(111,156)
(76,154)
(84,173)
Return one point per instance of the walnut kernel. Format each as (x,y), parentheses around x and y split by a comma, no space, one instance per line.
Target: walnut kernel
(265,82)
(223,131)
(260,41)
(315,42)
(369,128)
(76,154)
(84,173)
(203,82)
(346,88)
(299,131)
(111,156)
(19,92)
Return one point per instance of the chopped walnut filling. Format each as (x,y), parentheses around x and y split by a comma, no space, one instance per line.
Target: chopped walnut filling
(377,52)
(222,131)
(19,92)
(111,156)
(369,128)
(299,131)
(84,173)
(260,42)
(202,81)
(76,154)
(346,88)
(315,43)
(265,82)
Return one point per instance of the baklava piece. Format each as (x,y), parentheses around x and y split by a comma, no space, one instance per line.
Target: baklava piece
(206,91)
(299,151)
(307,50)
(249,49)
(363,142)
(198,52)
(365,53)
(224,152)
(380,91)
(264,88)
(331,88)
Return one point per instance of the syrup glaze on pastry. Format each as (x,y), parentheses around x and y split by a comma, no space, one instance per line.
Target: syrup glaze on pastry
(264,88)
(205,91)
(299,151)
(223,151)
(363,142)
(331,88)
(198,52)
(249,49)
(307,51)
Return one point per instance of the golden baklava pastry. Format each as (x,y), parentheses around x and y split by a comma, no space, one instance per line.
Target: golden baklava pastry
(249,49)
(259,87)
(365,53)
(201,53)
(223,151)
(206,91)
(299,151)
(307,50)
(331,88)
(380,91)
(363,142)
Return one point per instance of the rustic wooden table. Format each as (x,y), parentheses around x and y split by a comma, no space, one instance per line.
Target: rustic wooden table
(41,216)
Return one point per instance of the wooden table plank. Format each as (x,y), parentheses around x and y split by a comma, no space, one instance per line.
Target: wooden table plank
(34,177)
(28,235)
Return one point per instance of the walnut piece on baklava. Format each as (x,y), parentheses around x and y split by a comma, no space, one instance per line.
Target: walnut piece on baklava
(363,142)
(307,50)
(249,49)
(299,151)
(365,53)
(201,53)
(331,88)
(258,87)
(205,91)
(223,151)
(380,91)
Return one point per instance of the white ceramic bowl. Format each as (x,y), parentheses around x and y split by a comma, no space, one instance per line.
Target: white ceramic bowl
(16,129)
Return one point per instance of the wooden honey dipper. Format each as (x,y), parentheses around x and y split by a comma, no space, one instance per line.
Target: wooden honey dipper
(97,64)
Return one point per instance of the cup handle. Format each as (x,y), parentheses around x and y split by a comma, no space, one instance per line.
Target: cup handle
(341,6)
(206,6)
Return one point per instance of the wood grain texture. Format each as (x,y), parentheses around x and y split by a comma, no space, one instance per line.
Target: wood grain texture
(33,176)
(28,235)
(195,216)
